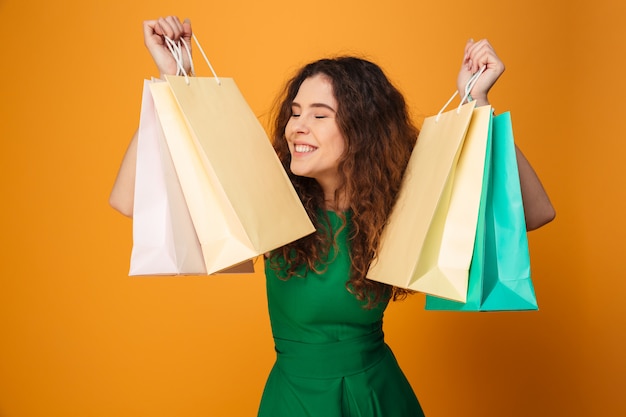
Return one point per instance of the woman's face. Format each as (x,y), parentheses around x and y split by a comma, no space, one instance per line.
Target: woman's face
(312,133)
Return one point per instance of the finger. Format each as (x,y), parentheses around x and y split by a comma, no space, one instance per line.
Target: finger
(480,54)
(490,60)
(148,25)
(175,24)
(473,53)
(150,28)
(187,29)
(176,28)
(466,59)
(468,45)
(478,45)
(164,28)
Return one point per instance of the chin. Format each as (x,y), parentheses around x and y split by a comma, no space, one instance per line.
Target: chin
(295,170)
(299,173)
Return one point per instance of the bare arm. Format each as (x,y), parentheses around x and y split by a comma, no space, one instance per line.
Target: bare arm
(538,209)
(537,206)
(123,193)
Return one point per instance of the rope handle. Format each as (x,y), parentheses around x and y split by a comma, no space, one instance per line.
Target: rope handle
(468,87)
(177,52)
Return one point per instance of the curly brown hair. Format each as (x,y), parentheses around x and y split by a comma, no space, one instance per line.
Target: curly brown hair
(373,118)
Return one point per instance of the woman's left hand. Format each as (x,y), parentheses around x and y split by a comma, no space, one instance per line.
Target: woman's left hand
(477,55)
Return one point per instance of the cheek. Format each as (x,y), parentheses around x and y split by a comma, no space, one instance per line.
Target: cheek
(288,129)
(339,142)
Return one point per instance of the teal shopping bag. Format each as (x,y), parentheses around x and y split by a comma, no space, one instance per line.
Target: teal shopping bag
(499,278)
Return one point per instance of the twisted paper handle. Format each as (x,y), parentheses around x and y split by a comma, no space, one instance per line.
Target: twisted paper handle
(468,87)
(177,52)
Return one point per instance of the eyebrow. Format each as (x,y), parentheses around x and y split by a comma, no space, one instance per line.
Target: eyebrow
(318,105)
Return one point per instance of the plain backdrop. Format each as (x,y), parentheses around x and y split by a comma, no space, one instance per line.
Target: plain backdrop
(79,338)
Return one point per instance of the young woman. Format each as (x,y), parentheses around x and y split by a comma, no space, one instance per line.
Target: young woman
(344,136)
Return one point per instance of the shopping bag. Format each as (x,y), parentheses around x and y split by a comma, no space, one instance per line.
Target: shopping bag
(500,277)
(164,239)
(240,199)
(427,244)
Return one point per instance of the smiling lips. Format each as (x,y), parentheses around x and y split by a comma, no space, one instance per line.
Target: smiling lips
(304,148)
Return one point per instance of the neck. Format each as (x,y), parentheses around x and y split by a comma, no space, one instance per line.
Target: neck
(335,203)
(334,198)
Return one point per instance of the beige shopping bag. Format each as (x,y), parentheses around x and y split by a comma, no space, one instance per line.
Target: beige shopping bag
(427,245)
(240,199)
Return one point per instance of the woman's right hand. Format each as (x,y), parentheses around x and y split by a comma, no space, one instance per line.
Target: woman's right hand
(154,33)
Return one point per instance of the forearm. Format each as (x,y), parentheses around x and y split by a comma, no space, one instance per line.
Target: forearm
(122,196)
(537,206)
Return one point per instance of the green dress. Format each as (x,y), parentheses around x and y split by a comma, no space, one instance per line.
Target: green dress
(332,360)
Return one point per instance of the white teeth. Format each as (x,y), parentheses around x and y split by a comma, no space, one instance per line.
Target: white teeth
(304,148)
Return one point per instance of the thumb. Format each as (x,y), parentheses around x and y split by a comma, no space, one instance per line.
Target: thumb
(187,28)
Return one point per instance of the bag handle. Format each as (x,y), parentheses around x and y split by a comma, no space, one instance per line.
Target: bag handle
(468,87)
(177,52)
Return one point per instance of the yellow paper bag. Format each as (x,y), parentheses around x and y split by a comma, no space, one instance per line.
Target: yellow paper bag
(164,238)
(427,244)
(240,199)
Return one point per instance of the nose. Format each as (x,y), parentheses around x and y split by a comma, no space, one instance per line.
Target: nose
(296,126)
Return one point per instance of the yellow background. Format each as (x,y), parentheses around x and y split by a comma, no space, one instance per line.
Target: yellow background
(78,337)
